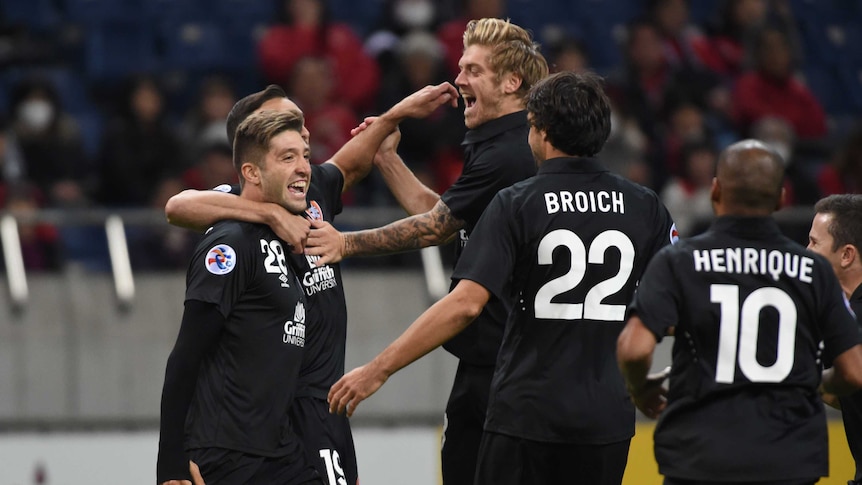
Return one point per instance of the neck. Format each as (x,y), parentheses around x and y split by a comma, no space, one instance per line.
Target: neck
(850,280)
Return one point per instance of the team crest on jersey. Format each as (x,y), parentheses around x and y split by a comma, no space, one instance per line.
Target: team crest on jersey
(220,260)
(674,234)
(314,211)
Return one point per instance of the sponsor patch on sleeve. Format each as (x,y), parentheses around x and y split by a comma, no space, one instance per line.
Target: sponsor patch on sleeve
(220,260)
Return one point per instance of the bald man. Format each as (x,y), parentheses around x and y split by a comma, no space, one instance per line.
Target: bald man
(749,310)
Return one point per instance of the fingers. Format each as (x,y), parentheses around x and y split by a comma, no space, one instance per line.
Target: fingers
(339,397)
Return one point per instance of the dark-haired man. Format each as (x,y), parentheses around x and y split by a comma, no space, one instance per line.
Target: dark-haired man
(749,309)
(233,373)
(836,234)
(327,438)
(565,248)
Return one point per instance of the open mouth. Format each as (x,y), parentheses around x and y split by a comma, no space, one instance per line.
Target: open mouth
(469,100)
(298,187)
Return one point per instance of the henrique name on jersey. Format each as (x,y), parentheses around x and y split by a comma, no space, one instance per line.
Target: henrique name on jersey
(754,261)
(590,201)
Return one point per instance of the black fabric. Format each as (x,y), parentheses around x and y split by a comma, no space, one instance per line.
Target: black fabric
(751,410)
(327,440)
(507,460)
(465,418)
(246,384)
(229,467)
(496,155)
(199,333)
(567,247)
(851,406)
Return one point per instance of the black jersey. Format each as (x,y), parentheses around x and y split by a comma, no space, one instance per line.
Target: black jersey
(496,155)
(751,309)
(324,288)
(567,247)
(245,386)
(851,406)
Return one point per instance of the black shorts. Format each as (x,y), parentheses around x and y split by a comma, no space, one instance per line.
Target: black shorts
(464,423)
(327,440)
(507,460)
(678,481)
(229,467)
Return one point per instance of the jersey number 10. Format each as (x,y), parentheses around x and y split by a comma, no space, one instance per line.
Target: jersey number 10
(740,329)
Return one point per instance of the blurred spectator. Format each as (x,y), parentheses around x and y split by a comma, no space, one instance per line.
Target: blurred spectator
(647,83)
(329,121)
(687,196)
(207,121)
(400,17)
(427,145)
(685,123)
(40,246)
(305,30)
(735,33)
(778,134)
(772,90)
(139,148)
(568,55)
(213,168)
(162,247)
(451,33)
(684,43)
(844,174)
(625,151)
(50,144)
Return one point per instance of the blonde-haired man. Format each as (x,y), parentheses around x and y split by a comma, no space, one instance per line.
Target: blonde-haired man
(223,405)
(499,65)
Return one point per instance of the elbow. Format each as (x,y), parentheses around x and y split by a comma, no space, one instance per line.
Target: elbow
(172,207)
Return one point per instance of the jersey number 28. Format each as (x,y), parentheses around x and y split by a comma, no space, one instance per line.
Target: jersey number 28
(740,328)
(592,308)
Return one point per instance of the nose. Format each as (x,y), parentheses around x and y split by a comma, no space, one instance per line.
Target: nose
(461,79)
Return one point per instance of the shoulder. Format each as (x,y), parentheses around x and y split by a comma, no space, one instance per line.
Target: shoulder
(236,233)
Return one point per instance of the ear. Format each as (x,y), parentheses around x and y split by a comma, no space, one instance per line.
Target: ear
(848,255)
(251,173)
(715,191)
(781,199)
(512,82)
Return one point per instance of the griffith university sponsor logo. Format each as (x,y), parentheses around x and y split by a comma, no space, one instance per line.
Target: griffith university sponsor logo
(294,330)
(318,278)
(220,260)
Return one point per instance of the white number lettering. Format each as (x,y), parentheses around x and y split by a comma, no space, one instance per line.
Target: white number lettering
(592,308)
(334,472)
(733,323)
(275,261)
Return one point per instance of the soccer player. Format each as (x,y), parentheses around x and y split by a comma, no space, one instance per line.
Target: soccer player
(566,249)
(749,309)
(499,65)
(836,234)
(327,438)
(233,372)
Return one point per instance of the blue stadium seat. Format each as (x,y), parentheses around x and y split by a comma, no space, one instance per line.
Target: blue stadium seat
(193,45)
(260,10)
(89,12)
(69,84)
(604,43)
(832,42)
(362,16)
(117,49)
(91,124)
(826,86)
(240,41)
(851,83)
(39,15)
(605,11)
(160,11)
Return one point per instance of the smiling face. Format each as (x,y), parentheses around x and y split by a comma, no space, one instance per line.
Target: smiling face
(477,82)
(286,173)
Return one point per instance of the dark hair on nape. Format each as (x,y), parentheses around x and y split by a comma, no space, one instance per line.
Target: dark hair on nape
(846,225)
(248,105)
(573,111)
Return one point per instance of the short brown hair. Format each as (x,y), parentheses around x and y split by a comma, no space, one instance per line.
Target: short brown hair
(255,132)
(512,50)
(846,225)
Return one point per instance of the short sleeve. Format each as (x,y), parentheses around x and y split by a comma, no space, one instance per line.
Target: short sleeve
(221,268)
(656,298)
(330,181)
(839,328)
(490,254)
(667,233)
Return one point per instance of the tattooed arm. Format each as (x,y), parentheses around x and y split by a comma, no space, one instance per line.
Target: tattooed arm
(431,228)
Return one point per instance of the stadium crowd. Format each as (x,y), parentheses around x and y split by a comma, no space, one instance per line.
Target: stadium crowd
(122,104)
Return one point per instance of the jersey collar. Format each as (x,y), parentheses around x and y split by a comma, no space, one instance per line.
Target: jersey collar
(572,165)
(754,227)
(857,296)
(495,127)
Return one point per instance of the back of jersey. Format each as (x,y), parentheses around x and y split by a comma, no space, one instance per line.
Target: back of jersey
(752,310)
(568,247)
